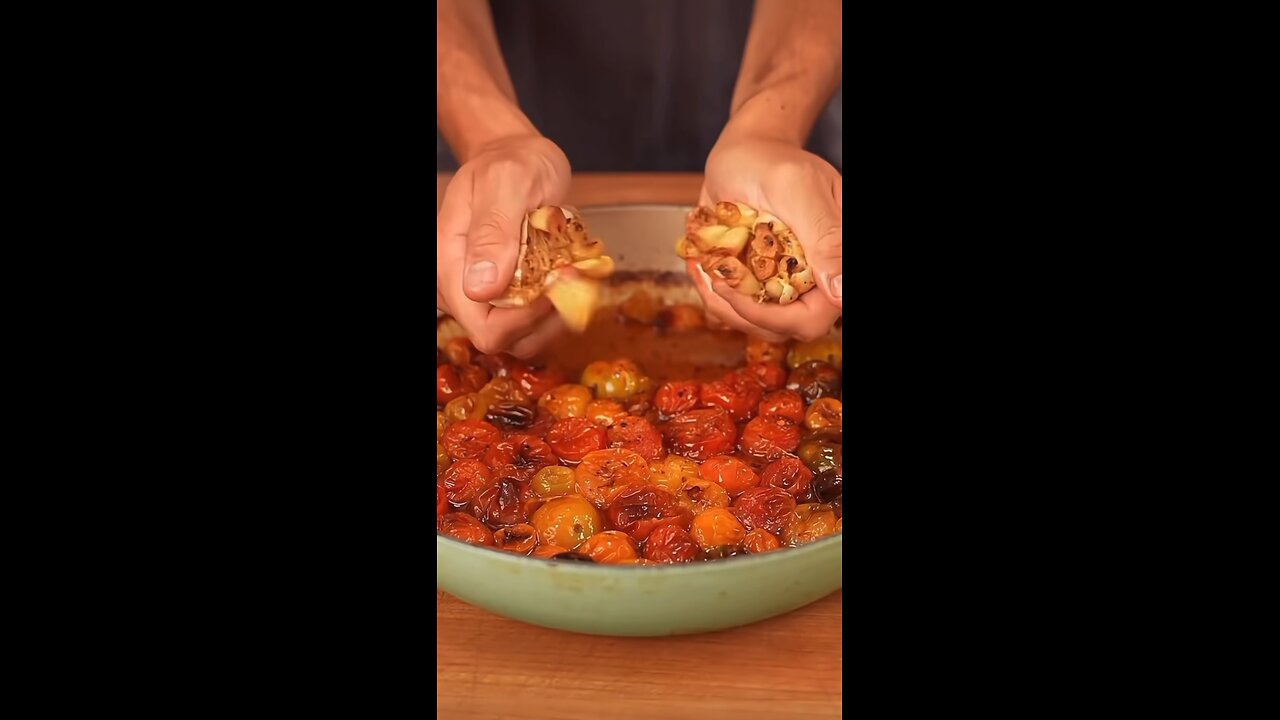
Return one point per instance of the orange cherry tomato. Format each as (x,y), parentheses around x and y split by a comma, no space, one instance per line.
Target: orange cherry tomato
(469,439)
(761,540)
(769,438)
(763,351)
(610,547)
(465,528)
(639,509)
(788,473)
(699,495)
(809,522)
(553,481)
(519,539)
(766,507)
(604,472)
(638,435)
(566,521)
(717,527)
(464,480)
(566,401)
(825,413)
(700,434)
(573,438)
(671,544)
(676,397)
(730,473)
(605,412)
(672,472)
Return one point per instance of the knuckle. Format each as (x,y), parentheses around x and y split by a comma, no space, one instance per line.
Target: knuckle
(486,343)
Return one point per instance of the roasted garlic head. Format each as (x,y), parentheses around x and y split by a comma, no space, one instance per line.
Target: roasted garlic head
(558,259)
(754,252)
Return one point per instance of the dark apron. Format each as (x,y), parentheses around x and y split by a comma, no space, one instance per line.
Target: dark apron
(621,85)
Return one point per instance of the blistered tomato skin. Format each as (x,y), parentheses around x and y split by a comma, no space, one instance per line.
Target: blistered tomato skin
(536,383)
(699,495)
(519,456)
(785,404)
(566,522)
(464,480)
(638,435)
(671,544)
(574,438)
(738,395)
(519,539)
(821,455)
(605,412)
(672,472)
(769,438)
(604,472)
(471,406)
(500,503)
(638,510)
(465,528)
(767,375)
(809,522)
(676,397)
(735,476)
(553,481)
(610,548)
(443,461)
(452,381)
(717,528)
(825,414)
(701,434)
(789,474)
(566,401)
(442,500)
(815,380)
(761,540)
(767,508)
(469,439)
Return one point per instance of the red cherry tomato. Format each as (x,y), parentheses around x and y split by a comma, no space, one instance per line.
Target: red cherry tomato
(785,404)
(671,544)
(676,397)
(638,434)
(769,376)
(501,503)
(730,473)
(700,434)
(769,437)
(737,394)
(454,381)
(572,438)
(638,510)
(519,456)
(765,507)
(465,528)
(788,473)
(464,480)
(536,382)
(468,439)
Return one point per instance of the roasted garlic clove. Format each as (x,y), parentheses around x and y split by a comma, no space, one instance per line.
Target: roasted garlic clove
(756,253)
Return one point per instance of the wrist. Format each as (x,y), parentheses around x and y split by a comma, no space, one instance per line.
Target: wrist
(767,116)
(484,119)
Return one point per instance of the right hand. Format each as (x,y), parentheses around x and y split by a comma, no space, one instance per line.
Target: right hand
(478,241)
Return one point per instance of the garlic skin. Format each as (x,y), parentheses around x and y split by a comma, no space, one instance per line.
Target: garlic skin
(754,252)
(552,240)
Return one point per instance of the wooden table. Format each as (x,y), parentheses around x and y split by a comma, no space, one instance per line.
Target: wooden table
(491,667)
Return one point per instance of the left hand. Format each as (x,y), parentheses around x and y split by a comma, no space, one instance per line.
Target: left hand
(806,193)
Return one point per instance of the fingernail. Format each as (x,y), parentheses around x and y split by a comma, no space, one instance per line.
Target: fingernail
(482,273)
(837,286)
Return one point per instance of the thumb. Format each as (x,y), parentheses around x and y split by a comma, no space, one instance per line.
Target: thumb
(493,247)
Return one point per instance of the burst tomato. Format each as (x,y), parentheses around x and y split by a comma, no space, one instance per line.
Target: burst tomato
(638,510)
(676,397)
(639,435)
(788,473)
(769,438)
(766,507)
(464,480)
(735,476)
(604,472)
(717,527)
(610,547)
(573,438)
(469,439)
(700,434)
(671,544)
(785,404)
(465,528)
(519,456)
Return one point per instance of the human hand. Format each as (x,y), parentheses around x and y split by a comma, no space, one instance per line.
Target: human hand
(806,193)
(478,241)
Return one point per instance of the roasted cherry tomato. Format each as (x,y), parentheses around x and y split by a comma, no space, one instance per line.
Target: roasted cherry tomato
(638,510)
(535,383)
(700,495)
(471,406)
(542,423)
(828,486)
(505,390)
(464,480)
(500,503)
(567,521)
(442,499)
(453,381)
(469,439)
(826,350)
(605,412)
(761,540)
(566,401)
(547,552)
(763,351)
(637,434)
(788,473)
(767,375)
(676,397)
(700,434)
(465,528)
(766,507)
(769,438)
(519,456)
(553,481)
(809,522)
(610,547)
(784,404)
(574,438)
(821,455)
(736,393)
(616,380)
(717,527)
(815,380)
(671,544)
(672,472)
(730,473)
(825,413)
(520,539)
(501,365)
(604,472)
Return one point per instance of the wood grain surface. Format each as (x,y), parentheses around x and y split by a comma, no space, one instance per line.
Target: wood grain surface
(487,666)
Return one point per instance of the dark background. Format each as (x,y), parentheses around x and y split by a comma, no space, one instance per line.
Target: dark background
(622,85)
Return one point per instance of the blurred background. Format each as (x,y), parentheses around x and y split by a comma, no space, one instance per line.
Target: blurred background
(622,85)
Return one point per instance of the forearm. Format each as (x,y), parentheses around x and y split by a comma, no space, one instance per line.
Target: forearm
(475,100)
(791,68)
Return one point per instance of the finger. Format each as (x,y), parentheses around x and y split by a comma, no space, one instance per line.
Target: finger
(816,217)
(721,310)
(807,319)
(493,240)
(544,333)
(494,330)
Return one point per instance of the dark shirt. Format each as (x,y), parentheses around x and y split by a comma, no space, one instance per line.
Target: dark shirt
(621,85)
